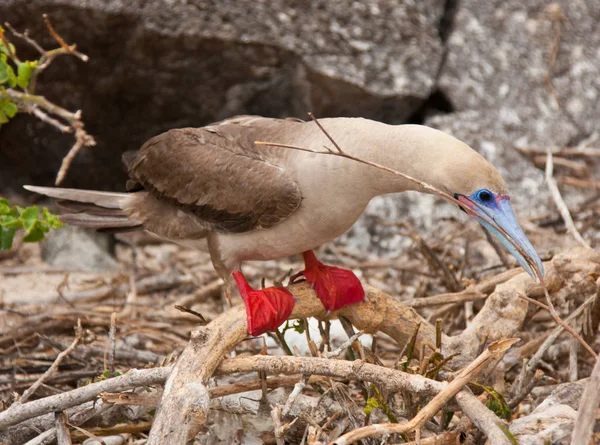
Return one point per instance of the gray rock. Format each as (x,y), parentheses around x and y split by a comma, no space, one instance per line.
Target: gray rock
(500,53)
(156,65)
(74,248)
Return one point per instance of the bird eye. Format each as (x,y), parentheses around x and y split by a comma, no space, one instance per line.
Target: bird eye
(484,195)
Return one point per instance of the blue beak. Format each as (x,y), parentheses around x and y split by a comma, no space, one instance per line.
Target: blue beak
(500,220)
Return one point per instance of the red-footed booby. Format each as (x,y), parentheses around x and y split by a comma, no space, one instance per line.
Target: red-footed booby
(261,202)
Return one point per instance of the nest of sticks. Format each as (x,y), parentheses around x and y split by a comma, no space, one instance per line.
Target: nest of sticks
(153,354)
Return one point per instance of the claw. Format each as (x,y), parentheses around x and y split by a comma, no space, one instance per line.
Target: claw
(266,309)
(335,287)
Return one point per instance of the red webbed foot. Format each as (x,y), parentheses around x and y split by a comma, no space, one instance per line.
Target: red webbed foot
(266,309)
(335,287)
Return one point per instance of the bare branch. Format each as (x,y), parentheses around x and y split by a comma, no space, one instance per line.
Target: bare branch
(586,415)
(494,352)
(560,203)
(81,139)
(533,362)
(312,116)
(391,379)
(62,432)
(53,368)
(25,36)
(485,420)
(70,49)
(133,378)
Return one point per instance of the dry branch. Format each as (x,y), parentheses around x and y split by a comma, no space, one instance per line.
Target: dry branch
(378,312)
(560,203)
(19,434)
(494,352)
(187,385)
(52,369)
(587,413)
(143,286)
(391,379)
(209,345)
(484,419)
(133,378)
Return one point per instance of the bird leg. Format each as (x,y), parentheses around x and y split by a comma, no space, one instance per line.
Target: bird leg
(335,287)
(266,309)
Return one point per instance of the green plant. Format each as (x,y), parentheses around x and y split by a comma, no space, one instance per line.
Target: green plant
(17,87)
(9,62)
(377,401)
(35,223)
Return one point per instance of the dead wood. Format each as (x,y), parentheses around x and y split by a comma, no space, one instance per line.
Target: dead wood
(587,412)
(502,315)
(494,352)
(144,285)
(209,345)
(185,401)
(134,378)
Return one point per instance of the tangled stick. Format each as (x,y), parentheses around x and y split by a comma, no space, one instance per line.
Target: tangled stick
(180,415)
(184,403)
(494,352)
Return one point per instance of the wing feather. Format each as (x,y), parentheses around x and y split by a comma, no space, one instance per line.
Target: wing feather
(217,174)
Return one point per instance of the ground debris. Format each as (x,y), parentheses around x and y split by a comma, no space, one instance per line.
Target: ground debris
(249,399)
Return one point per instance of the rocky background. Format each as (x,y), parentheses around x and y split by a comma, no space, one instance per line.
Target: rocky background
(504,76)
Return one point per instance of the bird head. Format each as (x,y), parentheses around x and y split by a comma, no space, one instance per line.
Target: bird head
(478,189)
(482,194)
(495,213)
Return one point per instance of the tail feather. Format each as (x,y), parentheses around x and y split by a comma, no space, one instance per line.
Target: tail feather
(96,222)
(92,209)
(109,200)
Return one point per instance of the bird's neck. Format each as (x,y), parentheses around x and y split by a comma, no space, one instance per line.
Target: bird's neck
(386,146)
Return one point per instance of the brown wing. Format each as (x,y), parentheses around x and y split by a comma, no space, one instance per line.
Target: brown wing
(218,175)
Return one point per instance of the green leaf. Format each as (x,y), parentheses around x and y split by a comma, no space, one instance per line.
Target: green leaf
(497,403)
(34,235)
(29,216)
(6,237)
(11,221)
(12,78)
(24,70)
(7,74)
(3,118)
(9,108)
(51,220)
(372,403)
(5,208)
(4,50)
(3,70)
